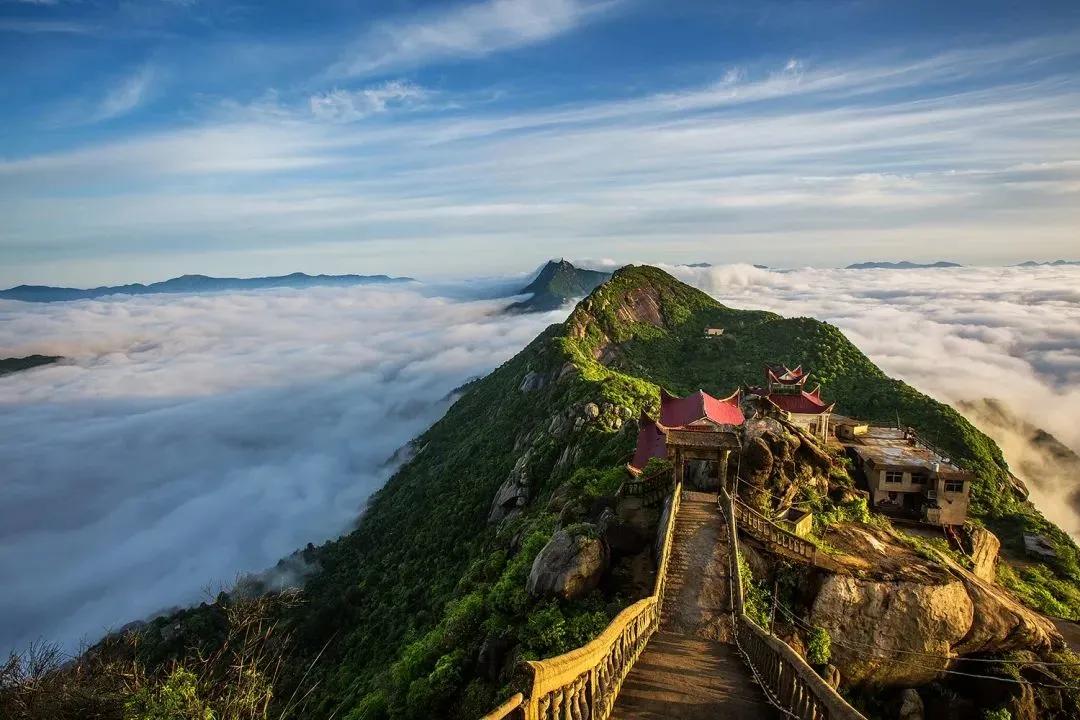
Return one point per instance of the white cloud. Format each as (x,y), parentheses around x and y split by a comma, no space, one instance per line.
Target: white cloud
(188,438)
(350,105)
(128,94)
(464,31)
(30,27)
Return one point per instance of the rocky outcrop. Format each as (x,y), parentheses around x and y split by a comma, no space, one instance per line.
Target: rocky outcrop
(1001,623)
(875,624)
(532,381)
(984,553)
(513,493)
(570,566)
(898,618)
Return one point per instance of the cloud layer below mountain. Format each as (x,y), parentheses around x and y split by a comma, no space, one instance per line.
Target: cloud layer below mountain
(190,438)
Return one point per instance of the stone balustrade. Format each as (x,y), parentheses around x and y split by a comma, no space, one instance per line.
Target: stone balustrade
(784,676)
(765,530)
(584,683)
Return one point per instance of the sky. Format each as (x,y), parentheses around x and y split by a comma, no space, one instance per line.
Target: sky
(144,140)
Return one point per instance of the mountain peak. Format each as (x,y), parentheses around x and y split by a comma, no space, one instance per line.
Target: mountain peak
(558,281)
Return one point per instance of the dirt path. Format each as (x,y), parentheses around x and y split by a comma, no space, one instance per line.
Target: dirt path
(688,670)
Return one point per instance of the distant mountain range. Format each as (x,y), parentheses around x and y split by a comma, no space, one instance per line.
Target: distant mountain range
(902,265)
(558,282)
(11,365)
(709,265)
(194,284)
(1033,263)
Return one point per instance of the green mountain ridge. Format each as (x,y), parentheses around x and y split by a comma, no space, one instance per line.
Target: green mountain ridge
(422,610)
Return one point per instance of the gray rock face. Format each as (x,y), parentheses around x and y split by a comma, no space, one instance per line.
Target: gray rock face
(513,493)
(532,381)
(591,410)
(569,566)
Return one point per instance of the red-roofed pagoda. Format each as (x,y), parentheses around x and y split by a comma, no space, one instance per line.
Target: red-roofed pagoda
(695,427)
(785,391)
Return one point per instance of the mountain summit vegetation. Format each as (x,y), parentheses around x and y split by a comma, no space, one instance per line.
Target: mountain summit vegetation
(426,608)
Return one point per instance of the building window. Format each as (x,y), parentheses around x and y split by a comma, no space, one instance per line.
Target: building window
(954,486)
(894,476)
(919,478)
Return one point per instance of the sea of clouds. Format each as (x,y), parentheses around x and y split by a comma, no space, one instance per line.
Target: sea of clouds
(959,334)
(186,439)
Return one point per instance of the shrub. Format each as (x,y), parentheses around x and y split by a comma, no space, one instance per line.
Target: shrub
(819,647)
(177,698)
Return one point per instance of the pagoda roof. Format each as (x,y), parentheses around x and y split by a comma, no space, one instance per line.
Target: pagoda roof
(805,403)
(698,411)
(676,412)
(784,375)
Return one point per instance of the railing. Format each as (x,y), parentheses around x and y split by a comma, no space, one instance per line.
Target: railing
(652,489)
(785,678)
(765,530)
(584,683)
(509,709)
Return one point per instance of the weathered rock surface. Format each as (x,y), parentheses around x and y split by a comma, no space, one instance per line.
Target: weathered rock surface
(757,461)
(512,495)
(569,566)
(873,623)
(532,381)
(896,603)
(984,554)
(1001,623)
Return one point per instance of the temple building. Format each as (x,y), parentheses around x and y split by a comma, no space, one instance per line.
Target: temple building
(696,427)
(785,393)
(908,477)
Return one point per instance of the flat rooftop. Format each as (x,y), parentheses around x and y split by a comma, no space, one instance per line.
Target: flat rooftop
(885,446)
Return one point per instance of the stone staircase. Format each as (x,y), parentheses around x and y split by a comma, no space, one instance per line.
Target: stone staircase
(689,668)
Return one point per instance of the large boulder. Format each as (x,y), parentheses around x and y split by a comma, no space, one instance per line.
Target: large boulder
(757,462)
(1001,624)
(570,565)
(984,553)
(875,624)
(898,618)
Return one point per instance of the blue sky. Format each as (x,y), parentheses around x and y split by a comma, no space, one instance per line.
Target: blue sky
(143,140)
